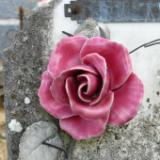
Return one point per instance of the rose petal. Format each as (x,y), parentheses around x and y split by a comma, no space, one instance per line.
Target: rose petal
(99,63)
(47,101)
(77,69)
(65,55)
(88,86)
(91,83)
(116,55)
(127,101)
(84,110)
(80,128)
(58,85)
(58,90)
(83,96)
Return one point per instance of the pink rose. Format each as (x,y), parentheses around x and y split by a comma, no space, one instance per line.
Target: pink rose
(89,83)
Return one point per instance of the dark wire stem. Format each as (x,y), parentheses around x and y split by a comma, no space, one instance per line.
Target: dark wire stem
(59,148)
(145,45)
(68,34)
(152,44)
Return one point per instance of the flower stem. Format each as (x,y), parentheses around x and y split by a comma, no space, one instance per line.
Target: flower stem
(59,148)
(145,45)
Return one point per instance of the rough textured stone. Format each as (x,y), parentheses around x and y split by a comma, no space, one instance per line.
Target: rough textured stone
(90,28)
(7,35)
(24,63)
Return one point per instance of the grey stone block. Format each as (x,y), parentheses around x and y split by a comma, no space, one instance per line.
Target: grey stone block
(7,35)
(23,64)
(9,8)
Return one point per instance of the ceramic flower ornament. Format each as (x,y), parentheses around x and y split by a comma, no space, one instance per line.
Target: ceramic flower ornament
(88,84)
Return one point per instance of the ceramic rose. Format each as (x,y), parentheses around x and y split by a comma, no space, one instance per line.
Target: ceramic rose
(88,84)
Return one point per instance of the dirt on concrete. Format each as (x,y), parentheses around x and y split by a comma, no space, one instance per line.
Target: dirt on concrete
(3,144)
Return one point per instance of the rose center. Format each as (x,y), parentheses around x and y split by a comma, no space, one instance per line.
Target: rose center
(88,87)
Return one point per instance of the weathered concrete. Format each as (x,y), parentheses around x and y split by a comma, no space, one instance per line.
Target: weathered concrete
(7,35)
(23,64)
(25,61)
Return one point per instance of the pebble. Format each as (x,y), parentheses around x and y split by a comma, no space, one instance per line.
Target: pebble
(15,126)
(27,100)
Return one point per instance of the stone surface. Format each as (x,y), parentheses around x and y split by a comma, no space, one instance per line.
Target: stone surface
(7,35)
(90,28)
(27,58)
(23,65)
